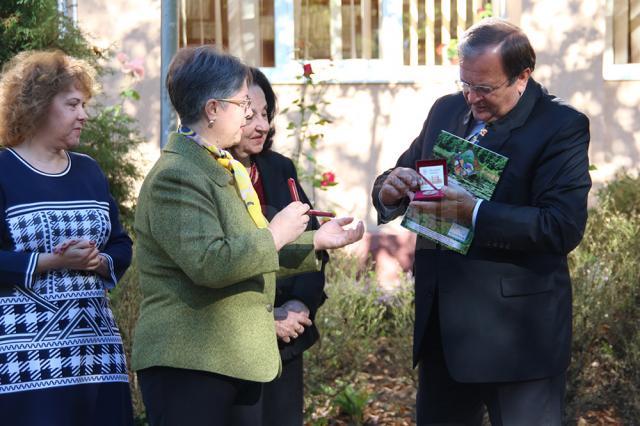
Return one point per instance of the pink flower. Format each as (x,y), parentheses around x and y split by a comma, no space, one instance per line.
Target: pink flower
(307,71)
(135,66)
(328,178)
(122,57)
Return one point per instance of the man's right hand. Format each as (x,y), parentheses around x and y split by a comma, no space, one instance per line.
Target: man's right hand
(398,184)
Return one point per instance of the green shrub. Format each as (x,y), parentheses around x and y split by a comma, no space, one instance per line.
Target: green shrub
(37,25)
(109,137)
(605,369)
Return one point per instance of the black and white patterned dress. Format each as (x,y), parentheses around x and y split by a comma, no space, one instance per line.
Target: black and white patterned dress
(61,354)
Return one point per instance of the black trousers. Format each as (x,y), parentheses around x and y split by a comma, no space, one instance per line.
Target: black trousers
(281,402)
(178,397)
(443,401)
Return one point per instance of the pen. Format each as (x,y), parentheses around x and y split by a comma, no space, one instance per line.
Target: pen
(293,190)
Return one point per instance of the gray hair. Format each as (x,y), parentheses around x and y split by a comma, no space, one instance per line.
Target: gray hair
(197,74)
(515,49)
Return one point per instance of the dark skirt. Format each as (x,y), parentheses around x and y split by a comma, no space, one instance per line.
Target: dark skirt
(95,404)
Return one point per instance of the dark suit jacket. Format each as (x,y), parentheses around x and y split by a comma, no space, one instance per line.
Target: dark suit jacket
(505,307)
(275,169)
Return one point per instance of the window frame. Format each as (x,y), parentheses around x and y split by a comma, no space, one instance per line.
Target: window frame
(610,70)
(388,69)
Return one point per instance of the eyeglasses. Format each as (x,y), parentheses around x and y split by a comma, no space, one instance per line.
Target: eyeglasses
(242,103)
(479,89)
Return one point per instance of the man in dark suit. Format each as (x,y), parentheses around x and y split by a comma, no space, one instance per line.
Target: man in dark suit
(493,327)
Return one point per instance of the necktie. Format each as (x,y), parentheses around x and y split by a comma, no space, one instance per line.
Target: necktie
(475,136)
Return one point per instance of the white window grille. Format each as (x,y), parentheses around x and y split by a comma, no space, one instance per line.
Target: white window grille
(345,40)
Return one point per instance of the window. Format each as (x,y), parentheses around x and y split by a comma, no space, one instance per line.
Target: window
(626,31)
(622,51)
(432,28)
(353,40)
(244,28)
(344,29)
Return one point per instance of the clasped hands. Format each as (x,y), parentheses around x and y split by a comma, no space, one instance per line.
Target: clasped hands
(456,205)
(292,221)
(291,319)
(78,254)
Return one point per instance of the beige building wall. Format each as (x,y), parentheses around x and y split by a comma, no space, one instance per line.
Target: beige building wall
(132,28)
(374,123)
(569,38)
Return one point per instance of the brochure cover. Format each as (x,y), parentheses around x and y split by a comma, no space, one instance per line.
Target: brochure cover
(469,165)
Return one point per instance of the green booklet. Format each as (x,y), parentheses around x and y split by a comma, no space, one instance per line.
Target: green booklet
(469,165)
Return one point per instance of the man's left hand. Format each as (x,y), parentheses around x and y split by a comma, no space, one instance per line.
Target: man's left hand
(457,205)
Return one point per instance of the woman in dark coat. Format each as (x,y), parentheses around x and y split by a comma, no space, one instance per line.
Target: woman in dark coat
(298,297)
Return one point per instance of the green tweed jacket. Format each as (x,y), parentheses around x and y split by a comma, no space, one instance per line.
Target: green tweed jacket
(207,273)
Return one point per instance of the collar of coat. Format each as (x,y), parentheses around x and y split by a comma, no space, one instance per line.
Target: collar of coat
(199,157)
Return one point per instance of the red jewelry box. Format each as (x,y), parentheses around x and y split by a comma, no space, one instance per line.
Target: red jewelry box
(434,178)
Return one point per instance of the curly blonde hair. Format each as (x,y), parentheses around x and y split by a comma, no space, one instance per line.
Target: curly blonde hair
(29,82)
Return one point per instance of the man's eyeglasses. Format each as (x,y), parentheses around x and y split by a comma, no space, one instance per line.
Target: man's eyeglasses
(479,89)
(242,103)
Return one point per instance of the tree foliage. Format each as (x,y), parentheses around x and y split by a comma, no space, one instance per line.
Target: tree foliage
(35,25)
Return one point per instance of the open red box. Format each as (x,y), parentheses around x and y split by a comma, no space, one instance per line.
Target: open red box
(434,178)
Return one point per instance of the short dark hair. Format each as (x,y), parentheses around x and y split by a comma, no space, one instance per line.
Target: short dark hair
(260,80)
(515,49)
(197,74)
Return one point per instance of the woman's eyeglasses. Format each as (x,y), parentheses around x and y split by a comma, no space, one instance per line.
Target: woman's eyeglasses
(242,103)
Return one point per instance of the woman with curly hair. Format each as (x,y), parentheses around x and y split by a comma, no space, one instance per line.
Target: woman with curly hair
(61,247)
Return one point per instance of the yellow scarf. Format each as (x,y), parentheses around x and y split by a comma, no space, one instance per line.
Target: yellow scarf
(240,174)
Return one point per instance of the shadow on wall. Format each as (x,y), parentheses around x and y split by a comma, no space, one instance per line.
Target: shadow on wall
(569,50)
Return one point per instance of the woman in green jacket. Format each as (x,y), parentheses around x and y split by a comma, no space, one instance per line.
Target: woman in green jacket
(208,258)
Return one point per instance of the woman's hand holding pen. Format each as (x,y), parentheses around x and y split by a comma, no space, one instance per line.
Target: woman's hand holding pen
(289,224)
